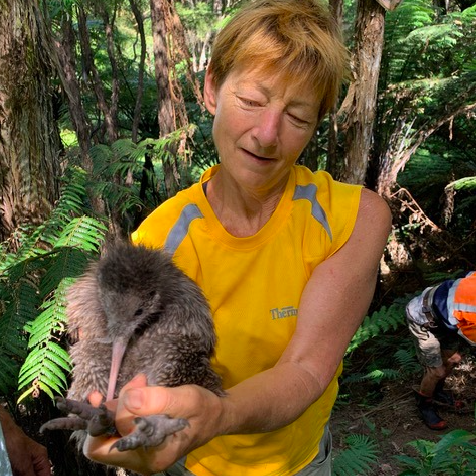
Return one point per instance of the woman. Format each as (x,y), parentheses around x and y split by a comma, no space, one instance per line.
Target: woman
(287,258)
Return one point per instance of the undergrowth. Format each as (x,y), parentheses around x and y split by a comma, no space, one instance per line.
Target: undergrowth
(33,282)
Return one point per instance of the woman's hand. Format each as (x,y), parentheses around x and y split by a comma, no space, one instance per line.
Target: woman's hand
(199,406)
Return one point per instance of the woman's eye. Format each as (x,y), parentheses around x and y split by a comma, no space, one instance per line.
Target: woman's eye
(250,102)
(298,120)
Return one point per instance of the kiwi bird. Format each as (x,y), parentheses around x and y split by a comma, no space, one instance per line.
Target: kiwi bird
(135,312)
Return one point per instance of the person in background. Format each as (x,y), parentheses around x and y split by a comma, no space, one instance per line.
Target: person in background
(287,258)
(26,456)
(441,320)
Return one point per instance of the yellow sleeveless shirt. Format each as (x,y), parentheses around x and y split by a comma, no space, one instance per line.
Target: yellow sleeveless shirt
(254,286)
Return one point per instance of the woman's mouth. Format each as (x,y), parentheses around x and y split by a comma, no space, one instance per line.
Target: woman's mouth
(260,157)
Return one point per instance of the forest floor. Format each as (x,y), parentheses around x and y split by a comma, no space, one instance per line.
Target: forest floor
(394,421)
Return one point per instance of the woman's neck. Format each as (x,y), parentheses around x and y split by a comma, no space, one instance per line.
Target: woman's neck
(241,212)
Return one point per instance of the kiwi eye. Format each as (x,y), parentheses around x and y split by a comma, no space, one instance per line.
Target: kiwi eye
(138,312)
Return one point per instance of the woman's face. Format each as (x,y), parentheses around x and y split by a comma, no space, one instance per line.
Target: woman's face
(262,123)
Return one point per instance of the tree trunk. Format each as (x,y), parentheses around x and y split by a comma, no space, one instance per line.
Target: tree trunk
(140,77)
(112,111)
(108,110)
(170,49)
(65,58)
(357,112)
(333,164)
(66,67)
(404,142)
(166,117)
(29,139)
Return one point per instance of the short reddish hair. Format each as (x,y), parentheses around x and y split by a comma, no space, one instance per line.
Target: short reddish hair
(297,37)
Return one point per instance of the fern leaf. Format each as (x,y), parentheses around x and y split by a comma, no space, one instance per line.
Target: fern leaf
(8,374)
(66,263)
(29,391)
(375,376)
(59,356)
(46,389)
(20,299)
(465,183)
(46,363)
(40,371)
(358,458)
(84,232)
(378,323)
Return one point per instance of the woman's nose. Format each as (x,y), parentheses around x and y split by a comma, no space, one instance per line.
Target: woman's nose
(266,130)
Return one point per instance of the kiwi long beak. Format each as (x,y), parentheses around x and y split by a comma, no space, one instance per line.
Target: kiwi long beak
(118,349)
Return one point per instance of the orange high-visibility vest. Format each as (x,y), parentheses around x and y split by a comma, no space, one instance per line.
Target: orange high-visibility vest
(464,307)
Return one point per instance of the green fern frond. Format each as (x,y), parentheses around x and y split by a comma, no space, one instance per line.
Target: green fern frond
(406,361)
(376,376)
(358,459)
(465,183)
(101,152)
(429,33)
(378,323)
(63,262)
(33,283)
(73,195)
(41,373)
(8,374)
(36,241)
(49,326)
(84,232)
(120,197)
(46,365)
(19,299)
(47,361)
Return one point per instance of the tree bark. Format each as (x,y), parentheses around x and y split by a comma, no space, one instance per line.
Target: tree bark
(66,67)
(170,49)
(166,113)
(109,111)
(332,165)
(112,111)
(140,77)
(404,142)
(166,116)
(357,112)
(29,139)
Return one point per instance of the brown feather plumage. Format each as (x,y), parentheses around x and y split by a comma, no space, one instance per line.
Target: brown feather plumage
(137,299)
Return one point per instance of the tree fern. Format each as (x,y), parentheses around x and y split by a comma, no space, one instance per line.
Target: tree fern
(358,458)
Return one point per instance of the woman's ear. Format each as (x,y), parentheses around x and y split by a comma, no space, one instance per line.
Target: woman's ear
(209,92)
